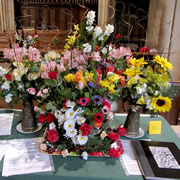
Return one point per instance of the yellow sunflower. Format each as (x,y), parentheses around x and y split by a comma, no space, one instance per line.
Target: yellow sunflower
(161,104)
(163,63)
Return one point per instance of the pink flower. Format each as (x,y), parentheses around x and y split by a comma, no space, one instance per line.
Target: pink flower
(103,134)
(39,94)
(60,67)
(9,54)
(120,52)
(96,56)
(35,108)
(106,110)
(34,54)
(36,36)
(83,101)
(80,85)
(45,91)
(52,65)
(31,91)
(65,153)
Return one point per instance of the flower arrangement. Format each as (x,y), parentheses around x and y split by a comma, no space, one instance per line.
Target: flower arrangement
(20,79)
(78,89)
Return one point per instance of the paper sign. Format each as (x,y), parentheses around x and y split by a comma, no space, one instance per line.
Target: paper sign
(155,127)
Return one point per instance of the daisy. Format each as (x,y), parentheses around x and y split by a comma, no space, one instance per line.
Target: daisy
(79,111)
(70,114)
(80,120)
(70,104)
(69,125)
(71,133)
(61,119)
(82,139)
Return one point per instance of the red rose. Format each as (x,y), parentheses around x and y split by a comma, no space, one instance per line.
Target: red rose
(118,36)
(113,136)
(52,136)
(114,153)
(144,49)
(121,130)
(98,117)
(8,77)
(86,129)
(109,69)
(52,75)
(50,117)
(42,118)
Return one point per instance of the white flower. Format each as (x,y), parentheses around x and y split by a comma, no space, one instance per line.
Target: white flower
(110,115)
(68,125)
(101,38)
(70,104)
(6,86)
(52,126)
(65,153)
(2,71)
(61,119)
(104,50)
(71,133)
(70,114)
(80,120)
(90,17)
(79,110)
(8,98)
(29,37)
(20,86)
(109,29)
(57,113)
(74,140)
(82,139)
(114,145)
(84,155)
(141,90)
(97,31)
(110,48)
(52,55)
(89,28)
(87,47)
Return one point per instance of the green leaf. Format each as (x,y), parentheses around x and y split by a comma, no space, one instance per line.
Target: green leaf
(95,74)
(49,106)
(49,82)
(87,94)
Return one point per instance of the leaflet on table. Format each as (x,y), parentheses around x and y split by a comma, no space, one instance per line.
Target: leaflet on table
(25,158)
(6,120)
(128,159)
(4,146)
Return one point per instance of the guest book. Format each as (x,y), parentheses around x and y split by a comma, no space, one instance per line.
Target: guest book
(157,160)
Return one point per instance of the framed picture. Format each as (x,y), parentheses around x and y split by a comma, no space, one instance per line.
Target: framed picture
(157,160)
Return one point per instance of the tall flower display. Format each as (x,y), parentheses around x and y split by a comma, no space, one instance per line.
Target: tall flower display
(78,89)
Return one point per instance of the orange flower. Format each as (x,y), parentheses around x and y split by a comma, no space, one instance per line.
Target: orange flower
(97,124)
(78,76)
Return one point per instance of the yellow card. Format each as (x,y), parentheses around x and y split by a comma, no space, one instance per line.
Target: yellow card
(155,127)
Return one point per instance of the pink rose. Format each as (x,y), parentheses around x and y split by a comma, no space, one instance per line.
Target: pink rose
(31,91)
(35,108)
(45,91)
(39,94)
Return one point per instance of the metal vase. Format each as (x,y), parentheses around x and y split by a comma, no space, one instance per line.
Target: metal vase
(132,122)
(29,123)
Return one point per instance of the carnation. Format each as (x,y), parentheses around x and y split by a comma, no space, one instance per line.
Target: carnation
(52,136)
(113,136)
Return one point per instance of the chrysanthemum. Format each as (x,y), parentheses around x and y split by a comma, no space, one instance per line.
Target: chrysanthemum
(163,62)
(82,139)
(161,104)
(80,120)
(71,133)
(83,101)
(69,125)
(70,114)
(97,99)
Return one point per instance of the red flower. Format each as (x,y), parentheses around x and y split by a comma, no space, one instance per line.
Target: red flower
(52,136)
(121,130)
(123,80)
(53,75)
(50,117)
(83,101)
(8,77)
(109,69)
(119,71)
(42,118)
(113,136)
(107,104)
(114,153)
(64,104)
(97,47)
(144,49)
(98,117)
(100,154)
(86,129)
(118,36)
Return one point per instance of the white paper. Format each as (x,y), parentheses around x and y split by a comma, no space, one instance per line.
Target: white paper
(6,120)
(24,157)
(128,159)
(4,146)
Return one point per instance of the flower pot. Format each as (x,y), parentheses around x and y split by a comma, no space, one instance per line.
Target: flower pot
(132,121)
(29,123)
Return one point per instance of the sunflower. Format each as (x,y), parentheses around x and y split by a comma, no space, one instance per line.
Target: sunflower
(161,104)
(163,63)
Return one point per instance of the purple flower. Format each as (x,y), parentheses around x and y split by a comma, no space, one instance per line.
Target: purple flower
(91,85)
(97,100)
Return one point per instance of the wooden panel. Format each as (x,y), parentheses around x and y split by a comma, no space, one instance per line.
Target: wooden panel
(52,17)
(62,18)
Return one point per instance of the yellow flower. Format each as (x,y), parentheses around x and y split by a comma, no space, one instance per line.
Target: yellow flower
(76,27)
(141,100)
(113,77)
(132,72)
(69,77)
(142,81)
(104,83)
(137,62)
(111,88)
(131,81)
(163,63)
(161,104)
(67,47)
(89,76)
